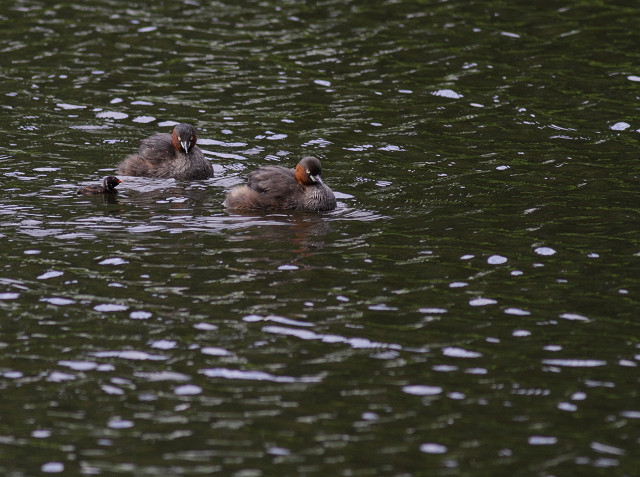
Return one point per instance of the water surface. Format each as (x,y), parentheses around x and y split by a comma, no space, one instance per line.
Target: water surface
(469,308)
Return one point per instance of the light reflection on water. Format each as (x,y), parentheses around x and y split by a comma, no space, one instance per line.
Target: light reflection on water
(468,308)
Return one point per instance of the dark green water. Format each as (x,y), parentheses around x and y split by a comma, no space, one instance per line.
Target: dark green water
(471,307)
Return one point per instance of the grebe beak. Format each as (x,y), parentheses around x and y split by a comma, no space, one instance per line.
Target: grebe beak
(317,179)
(185,145)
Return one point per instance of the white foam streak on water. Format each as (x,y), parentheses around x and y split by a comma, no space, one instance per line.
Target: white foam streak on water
(129,355)
(256,376)
(311,335)
(575,363)
(455,352)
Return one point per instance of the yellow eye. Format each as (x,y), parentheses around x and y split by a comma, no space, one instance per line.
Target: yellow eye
(308,172)
(179,138)
(191,139)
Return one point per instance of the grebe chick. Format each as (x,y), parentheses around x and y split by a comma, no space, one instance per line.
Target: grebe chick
(108,187)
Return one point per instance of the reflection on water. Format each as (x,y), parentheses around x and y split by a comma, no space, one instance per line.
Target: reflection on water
(469,308)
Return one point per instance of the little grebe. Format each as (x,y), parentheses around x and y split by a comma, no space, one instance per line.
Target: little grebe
(169,156)
(108,187)
(276,187)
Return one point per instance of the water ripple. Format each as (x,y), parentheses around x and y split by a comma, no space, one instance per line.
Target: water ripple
(310,335)
(256,376)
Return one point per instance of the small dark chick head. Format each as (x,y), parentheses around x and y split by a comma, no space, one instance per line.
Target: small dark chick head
(110,182)
(184,137)
(309,171)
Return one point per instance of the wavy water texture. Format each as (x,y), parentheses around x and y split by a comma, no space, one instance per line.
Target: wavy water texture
(468,309)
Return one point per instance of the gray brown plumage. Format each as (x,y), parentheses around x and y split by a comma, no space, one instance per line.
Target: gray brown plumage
(276,187)
(167,156)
